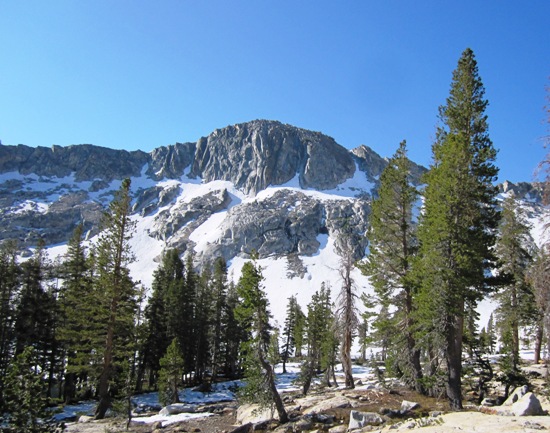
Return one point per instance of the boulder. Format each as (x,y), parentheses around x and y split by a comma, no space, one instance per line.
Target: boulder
(407,406)
(361,419)
(337,402)
(251,413)
(516,395)
(174,409)
(527,405)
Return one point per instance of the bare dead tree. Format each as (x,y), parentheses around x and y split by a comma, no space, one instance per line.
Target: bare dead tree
(347,314)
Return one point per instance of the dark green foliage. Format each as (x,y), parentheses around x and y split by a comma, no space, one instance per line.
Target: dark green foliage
(322,343)
(393,245)
(170,374)
(233,334)
(458,227)
(116,297)
(516,299)
(219,315)
(289,330)
(37,315)
(253,315)
(23,398)
(9,291)
(77,324)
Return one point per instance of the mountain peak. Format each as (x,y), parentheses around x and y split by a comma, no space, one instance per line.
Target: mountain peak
(260,153)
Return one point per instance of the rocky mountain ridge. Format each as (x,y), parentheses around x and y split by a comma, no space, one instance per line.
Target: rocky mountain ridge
(266,186)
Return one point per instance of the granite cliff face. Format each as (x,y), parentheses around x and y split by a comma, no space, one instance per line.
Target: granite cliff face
(261,153)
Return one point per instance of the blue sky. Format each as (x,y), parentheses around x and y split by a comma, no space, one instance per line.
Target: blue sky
(134,74)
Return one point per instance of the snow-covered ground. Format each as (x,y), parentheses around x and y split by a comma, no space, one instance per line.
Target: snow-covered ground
(222,392)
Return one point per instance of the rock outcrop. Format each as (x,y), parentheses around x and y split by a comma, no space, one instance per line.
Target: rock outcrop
(257,154)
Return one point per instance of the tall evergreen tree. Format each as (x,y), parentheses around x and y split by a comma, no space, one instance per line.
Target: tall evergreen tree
(116,296)
(36,315)
(76,304)
(219,295)
(254,315)
(458,227)
(202,325)
(393,245)
(289,330)
(9,291)
(516,300)
(233,334)
(23,397)
(170,374)
(320,337)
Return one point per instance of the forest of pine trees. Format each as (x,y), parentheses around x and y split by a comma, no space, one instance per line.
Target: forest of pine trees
(83,323)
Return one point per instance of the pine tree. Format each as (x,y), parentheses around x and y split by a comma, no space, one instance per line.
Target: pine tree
(289,330)
(9,292)
(253,315)
(219,292)
(516,300)
(76,307)
(36,315)
(170,374)
(299,331)
(393,245)
(458,227)
(320,336)
(23,399)
(116,296)
(203,325)
(233,334)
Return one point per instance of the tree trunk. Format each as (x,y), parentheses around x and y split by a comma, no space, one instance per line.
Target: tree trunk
(105,377)
(454,361)
(346,359)
(281,411)
(538,342)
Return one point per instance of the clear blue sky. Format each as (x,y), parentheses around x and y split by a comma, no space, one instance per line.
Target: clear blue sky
(137,74)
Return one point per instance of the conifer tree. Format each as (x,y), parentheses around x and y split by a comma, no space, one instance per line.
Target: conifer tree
(170,374)
(320,339)
(219,292)
(187,311)
(76,305)
(23,398)
(203,324)
(289,330)
(254,315)
(393,245)
(9,291)
(458,227)
(233,334)
(36,315)
(516,300)
(299,331)
(116,296)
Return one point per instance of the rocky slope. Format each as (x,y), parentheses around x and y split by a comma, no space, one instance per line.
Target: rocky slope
(45,192)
